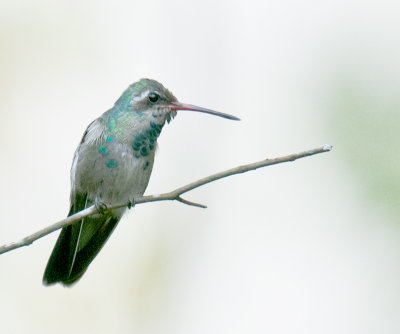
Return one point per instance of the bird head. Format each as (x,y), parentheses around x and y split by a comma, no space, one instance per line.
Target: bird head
(153,101)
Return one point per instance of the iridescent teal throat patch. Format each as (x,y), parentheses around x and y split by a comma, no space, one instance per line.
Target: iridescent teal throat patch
(143,143)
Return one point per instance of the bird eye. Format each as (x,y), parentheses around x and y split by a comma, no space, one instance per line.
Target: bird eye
(153,97)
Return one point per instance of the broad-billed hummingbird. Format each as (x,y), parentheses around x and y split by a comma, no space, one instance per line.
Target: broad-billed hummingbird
(112,165)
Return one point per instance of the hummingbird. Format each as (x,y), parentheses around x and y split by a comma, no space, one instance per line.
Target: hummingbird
(112,165)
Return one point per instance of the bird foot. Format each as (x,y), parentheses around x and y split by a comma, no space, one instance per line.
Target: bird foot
(131,203)
(100,206)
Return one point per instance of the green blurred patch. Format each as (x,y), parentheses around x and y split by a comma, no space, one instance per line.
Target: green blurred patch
(365,118)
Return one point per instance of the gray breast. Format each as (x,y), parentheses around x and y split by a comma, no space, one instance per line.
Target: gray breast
(112,173)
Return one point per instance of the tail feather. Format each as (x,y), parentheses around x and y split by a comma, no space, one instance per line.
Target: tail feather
(77,246)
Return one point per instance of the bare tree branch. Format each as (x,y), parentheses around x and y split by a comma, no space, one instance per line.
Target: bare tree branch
(170,196)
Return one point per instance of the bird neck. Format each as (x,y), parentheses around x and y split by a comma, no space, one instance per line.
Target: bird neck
(133,128)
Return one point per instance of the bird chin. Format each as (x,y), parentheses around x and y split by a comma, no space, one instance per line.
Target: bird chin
(164,113)
(169,116)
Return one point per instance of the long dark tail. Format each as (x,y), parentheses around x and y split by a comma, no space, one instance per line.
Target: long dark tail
(77,245)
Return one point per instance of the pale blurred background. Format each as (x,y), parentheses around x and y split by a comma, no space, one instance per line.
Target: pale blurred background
(306,247)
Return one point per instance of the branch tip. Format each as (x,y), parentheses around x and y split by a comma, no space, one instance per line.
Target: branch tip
(185,201)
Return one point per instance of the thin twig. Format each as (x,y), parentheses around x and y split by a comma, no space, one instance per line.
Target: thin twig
(170,196)
(185,201)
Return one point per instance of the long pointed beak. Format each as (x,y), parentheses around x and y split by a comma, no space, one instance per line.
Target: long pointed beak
(183,106)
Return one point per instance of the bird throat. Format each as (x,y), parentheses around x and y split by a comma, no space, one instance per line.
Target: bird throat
(145,142)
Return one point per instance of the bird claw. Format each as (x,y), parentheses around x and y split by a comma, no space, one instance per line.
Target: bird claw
(100,206)
(131,203)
